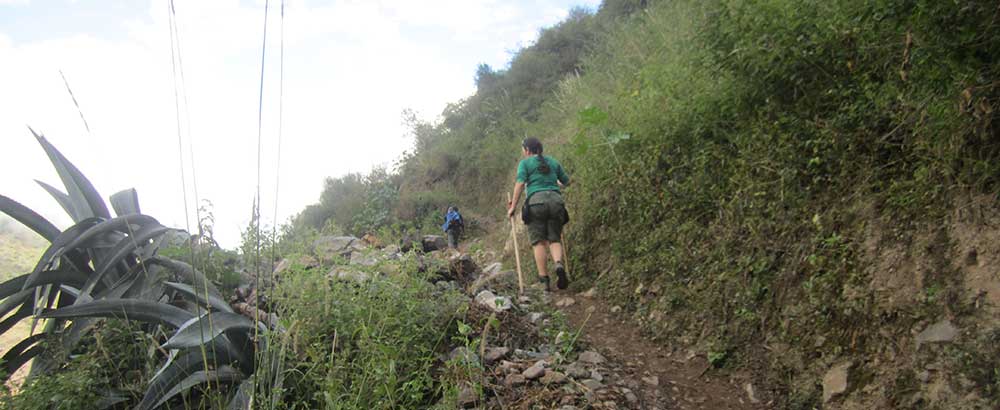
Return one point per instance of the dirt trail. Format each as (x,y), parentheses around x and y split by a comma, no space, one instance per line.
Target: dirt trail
(664,379)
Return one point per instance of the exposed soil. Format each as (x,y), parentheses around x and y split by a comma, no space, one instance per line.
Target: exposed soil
(665,378)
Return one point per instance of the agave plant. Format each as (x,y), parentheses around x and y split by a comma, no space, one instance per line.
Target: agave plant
(108,267)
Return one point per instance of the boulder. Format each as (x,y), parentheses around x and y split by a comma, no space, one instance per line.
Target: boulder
(496,303)
(462,267)
(326,247)
(364,259)
(433,243)
(339,273)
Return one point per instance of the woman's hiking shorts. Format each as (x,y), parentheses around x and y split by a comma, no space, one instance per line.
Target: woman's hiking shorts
(547,216)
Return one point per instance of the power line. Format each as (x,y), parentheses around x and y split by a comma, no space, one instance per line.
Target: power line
(70,90)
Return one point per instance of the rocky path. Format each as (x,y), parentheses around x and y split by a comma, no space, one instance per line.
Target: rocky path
(661,378)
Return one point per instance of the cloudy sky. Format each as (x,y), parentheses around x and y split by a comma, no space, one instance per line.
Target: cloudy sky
(350,69)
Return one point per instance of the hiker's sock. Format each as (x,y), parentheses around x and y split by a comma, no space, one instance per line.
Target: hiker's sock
(545,280)
(562,282)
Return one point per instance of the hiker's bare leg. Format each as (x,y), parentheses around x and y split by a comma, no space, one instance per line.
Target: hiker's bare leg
(557,251)
(541,257)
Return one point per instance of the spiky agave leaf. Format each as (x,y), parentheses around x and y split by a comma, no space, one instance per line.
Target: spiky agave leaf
(64,201)
(28,218)
(84,198)
(19,354)
(222,375)
(131,309)
(124,249)
(125,202)
(182,366)
(103,267)
(212,298)
(204,328)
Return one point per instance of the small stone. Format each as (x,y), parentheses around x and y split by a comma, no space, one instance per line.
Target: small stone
(565,302)
(591,309)
(616,309)
(835,381)
(534,317)
(631,397)
(492,269)
(514,380)
(592,384)
(467,398)
(924,376)
(553,377)
(940,332)
(496,353)
(589,293)
(524,300)
(496,303)
(591,357)
(751,393)
(463,354)
(594,374)
(535,371)
(651,380)
(577,371)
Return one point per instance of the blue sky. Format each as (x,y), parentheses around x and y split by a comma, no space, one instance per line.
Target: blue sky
(351,68)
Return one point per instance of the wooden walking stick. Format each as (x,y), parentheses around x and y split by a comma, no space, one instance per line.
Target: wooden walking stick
(517,253)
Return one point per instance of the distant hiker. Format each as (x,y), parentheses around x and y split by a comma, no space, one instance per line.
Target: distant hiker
(544,211)
(453,225)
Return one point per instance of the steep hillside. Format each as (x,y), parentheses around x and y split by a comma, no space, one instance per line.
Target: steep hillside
(806,190)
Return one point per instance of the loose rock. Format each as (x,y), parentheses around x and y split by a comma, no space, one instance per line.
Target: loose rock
(535,371)
(651,380)
(433,243)
(751,394)
(467,398)
(514,379)
(592,357)
(940,332)
(565,302)
(835,381)
(592,384)
(496,303)
(553,377)
(496,353)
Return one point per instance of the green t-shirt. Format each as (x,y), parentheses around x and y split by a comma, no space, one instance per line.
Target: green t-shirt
(536,181)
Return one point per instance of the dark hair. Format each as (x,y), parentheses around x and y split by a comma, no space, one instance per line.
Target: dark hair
(534,146)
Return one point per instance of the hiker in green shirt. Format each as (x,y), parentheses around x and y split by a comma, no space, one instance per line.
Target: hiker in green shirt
(544,211)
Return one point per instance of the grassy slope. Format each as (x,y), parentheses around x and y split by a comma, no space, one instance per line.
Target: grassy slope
(18,254)
(784,184)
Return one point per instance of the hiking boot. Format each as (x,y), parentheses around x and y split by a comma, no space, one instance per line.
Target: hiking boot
(563,281)
(545,280)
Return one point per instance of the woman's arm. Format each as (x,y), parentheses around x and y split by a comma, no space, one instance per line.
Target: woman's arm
(518,187)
